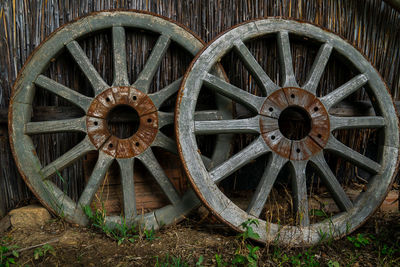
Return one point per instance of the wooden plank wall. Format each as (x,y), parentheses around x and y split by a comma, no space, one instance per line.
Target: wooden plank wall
(371,25)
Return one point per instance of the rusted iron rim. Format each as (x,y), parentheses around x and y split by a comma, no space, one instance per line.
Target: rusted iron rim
(120,93)
(205,182)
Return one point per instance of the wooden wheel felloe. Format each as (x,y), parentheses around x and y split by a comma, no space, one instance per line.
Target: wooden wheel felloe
(107,97)
(305,149)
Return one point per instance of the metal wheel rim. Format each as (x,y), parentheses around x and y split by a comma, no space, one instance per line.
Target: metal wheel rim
(30,76)
(204,182)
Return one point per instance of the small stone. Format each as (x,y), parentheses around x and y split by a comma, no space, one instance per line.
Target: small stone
(32,216)
(70,239)
(390,203)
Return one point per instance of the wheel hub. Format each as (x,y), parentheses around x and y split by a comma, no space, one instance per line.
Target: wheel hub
(294,138)
(97,126)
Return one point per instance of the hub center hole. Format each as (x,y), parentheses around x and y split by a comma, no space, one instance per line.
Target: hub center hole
(294,123)
(123,121)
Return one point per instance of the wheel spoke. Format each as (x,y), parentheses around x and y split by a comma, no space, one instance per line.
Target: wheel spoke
(165,142)
(343,91)
(299,187)
(159,97)
(249,153)
(220,86)
(165,118)
(265,83)
(119,52)
(71,125)
(329,179)
(97,82)
(251,125)
(318,68)
(356,122)
(358,159)
(68,158)
(62,91)
(102,165)
(146,75)
(152,165)
(128,187)
(207,115)
(285,60)
(268,178)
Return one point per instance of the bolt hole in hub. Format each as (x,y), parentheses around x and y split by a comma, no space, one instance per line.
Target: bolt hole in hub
(294,123)
(123,121)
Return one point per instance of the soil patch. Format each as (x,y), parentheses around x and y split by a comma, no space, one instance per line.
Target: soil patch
(194,238)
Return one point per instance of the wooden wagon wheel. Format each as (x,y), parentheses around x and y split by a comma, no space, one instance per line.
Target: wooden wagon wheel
(94,124)
(272,140)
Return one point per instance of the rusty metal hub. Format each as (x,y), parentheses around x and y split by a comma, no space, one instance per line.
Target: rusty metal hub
(316,135)
(98,130)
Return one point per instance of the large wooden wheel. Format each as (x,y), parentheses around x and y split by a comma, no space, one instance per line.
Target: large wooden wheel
(278,101)
(98,137)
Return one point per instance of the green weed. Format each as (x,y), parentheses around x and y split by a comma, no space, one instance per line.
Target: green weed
(7,253)
(150,235)
(43,251)
(220,261)
(200,261)
(121,232)
(170,261)
(360,240)
(246,254)
(305,259)
(333,263)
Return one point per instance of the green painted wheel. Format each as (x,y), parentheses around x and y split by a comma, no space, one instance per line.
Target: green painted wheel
(98,137)
(270,111)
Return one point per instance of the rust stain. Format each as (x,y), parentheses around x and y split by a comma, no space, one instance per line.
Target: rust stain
(313,142)
(97,127)
(278,143)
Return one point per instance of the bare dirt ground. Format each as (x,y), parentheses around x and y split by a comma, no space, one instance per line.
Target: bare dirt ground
(377,243)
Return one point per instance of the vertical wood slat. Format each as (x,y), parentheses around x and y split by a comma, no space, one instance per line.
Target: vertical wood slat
(371,25)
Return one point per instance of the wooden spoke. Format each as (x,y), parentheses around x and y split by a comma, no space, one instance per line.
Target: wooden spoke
(97,82)
(358,159)
(152,165)
(102,165)
(128,187)
(285,60)
(264,187)
(329,179)
(246,99)
(165,118)
(318,68)
(68,158)
(266,84)
(153,62)
(72,125)
(62,91)
(299,187)
(344,91)
(119,52)
(161,96)
(246,155)
(165,142)
(251,125)
(207,115)
(356,122)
